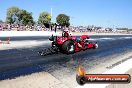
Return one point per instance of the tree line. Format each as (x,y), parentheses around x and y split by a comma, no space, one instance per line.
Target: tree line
(21,16)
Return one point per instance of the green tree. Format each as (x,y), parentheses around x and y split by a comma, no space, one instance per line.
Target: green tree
(25,17)
(21,16)
(63,20)
(44,18)
(10,12)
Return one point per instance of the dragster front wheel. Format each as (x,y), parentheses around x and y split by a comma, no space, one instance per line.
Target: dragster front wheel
(96,46)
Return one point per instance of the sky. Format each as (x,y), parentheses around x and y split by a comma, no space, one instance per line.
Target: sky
(105,13)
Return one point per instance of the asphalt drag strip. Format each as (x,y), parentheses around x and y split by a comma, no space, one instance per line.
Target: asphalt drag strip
(24,61)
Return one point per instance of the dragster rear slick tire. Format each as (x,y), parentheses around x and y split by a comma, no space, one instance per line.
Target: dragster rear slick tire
(68,47)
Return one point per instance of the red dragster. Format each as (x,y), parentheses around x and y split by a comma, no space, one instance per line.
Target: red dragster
(70,44)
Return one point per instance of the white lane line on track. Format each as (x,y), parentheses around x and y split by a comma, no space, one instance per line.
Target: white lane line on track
(119,69)
(27,33)
(107,38)
(24,44)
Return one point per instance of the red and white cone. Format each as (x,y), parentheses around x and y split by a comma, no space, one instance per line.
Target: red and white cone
(0,42)
(8,41)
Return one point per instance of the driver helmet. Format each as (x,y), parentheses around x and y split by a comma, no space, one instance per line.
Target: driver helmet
(83,37)
(66,30)
(65,33)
